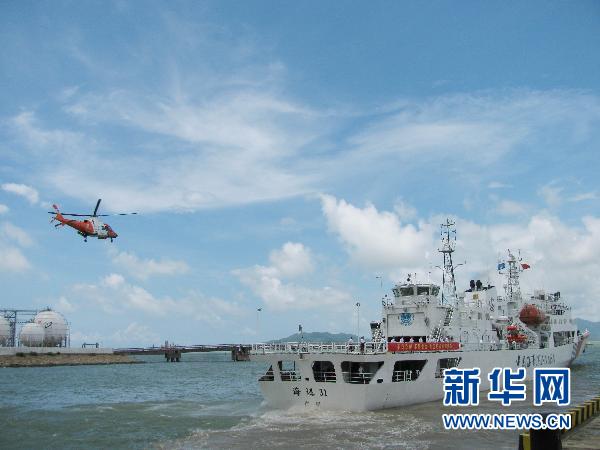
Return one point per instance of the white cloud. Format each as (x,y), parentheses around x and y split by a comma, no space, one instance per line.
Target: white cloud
(229,143)
(563,257)
(114,295)
(280,296)
(136,334)
(293,259)
(467,132)
(374,239)
(23,190)
(12,259)
(498,185)
(404,210)
(13,233)
(113,280)
(511,208)
(584,196)
(64,306)
(551,194)
(3,209)
(145,268)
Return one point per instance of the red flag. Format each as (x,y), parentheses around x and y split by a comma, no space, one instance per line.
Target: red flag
(525,266)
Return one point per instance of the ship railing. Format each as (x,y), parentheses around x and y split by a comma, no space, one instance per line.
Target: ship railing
(324,376)
(290,375)
(357,377)
(403,375)
(312,347)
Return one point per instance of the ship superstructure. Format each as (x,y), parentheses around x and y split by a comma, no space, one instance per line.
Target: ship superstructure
(425,328)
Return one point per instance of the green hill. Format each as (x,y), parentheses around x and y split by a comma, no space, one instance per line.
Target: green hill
(317,336)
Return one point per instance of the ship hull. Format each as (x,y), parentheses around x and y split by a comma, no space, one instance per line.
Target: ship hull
(381,392)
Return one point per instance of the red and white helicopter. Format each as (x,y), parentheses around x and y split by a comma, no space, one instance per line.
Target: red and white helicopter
(91,226)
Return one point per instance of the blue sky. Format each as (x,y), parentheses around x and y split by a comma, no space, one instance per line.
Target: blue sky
(282,155)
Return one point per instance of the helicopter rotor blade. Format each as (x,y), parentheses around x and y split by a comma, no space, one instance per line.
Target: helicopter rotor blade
(96,208)
(69,214)
(117,214)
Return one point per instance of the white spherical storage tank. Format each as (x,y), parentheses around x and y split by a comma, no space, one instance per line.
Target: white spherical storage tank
(55,327)
(32,335)
(4,331)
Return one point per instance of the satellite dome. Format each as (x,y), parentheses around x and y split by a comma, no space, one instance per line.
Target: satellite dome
(32,335)
(55,327)
(4,331)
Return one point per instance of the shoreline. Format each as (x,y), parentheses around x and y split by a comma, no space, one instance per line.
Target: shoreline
(58,359)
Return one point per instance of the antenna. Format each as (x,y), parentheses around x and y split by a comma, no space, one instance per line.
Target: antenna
(448,237)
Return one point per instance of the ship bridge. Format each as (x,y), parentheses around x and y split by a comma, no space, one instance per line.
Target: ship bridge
(415,293)
(416,306)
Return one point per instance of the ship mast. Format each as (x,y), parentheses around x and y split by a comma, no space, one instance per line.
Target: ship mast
(512,286)
(448,236)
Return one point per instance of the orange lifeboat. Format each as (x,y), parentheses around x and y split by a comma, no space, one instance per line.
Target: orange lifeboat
(532,315)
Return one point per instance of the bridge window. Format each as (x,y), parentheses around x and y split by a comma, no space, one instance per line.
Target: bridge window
(288,371)
(324,371)
(407,291)
(422,290)
(407,370)
(360,372)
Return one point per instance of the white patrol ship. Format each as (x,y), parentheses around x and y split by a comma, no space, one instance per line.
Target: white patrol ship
(424,330)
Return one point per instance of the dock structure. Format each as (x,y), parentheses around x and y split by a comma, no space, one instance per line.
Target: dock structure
(240,353)
(173,353)
(583,434)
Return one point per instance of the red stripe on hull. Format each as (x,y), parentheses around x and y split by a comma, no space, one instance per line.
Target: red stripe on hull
(422,346)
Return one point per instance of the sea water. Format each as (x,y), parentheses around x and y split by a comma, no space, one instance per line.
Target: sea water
(208,401)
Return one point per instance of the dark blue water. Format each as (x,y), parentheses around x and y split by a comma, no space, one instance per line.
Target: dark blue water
(208,401)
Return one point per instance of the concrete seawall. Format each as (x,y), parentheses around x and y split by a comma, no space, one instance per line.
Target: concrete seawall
(56,357)
(11,351)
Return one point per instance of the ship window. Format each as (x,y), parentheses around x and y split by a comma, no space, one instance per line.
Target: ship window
(445,363)
(323,371)
(422,290)
(360,372)
(407,370)
(435,290)
(268,376)
(407,291)
(288,371)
